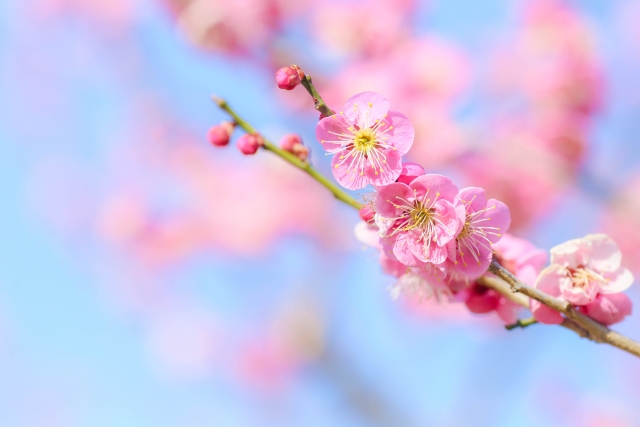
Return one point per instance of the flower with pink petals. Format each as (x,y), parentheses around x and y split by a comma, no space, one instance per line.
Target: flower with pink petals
(367,141)
(580,271)
(418,220)
(485,222)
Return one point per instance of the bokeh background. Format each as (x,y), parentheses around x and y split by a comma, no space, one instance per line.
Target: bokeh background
(149,279)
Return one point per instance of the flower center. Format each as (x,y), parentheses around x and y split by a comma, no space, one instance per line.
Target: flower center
(364,139)
(420,215)
(581,276)
(467,229)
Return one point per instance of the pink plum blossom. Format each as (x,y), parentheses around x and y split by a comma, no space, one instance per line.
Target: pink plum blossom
(580,270)
(418,220)
(367,141)
(484,223)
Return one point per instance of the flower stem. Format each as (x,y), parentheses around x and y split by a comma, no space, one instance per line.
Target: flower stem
(521,323)
(318,102)
(289,157)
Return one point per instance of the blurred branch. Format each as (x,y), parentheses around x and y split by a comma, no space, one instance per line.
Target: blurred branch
(586,326)
(303,165)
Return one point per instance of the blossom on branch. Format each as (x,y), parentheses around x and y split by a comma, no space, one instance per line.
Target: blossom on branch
(587,273)
(367,141)
(421,218)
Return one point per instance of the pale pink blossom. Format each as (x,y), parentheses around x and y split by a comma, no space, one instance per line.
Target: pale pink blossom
(484,223)
(367,141)
(419,219)
(580,270)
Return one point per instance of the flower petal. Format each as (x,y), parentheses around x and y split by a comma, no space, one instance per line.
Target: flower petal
(388,173)
(499,217)
(605,254)
(367,234)
(473,198)
(365,108)
(618,281)
(548,282)
(391,195)
(345,171)
(431,184)
(609,309)
(571,253)
(329,129)
(402,251)
(401,133)
(471,268)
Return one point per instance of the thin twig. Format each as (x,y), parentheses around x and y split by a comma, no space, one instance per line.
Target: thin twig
(305,166)
(521,323)
(318,102)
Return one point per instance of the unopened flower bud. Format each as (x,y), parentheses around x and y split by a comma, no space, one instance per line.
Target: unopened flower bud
(410,171)
(293,144)
(249,143)
(287,78)
(289,141)
(367,213)
(219,135)
(482,299)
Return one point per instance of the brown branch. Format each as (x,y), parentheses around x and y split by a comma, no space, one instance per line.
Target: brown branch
(576,321)
(504,288)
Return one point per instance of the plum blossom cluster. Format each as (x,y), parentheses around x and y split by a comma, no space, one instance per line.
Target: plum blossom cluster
(438,239)
(586,273)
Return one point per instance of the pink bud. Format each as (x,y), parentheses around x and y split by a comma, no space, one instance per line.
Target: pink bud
(293,144)
(367,213)
(249,143)
(301,151)
(219,135)
(608,309)
(287,78)
(410,171)
(482,299)
(289,141)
